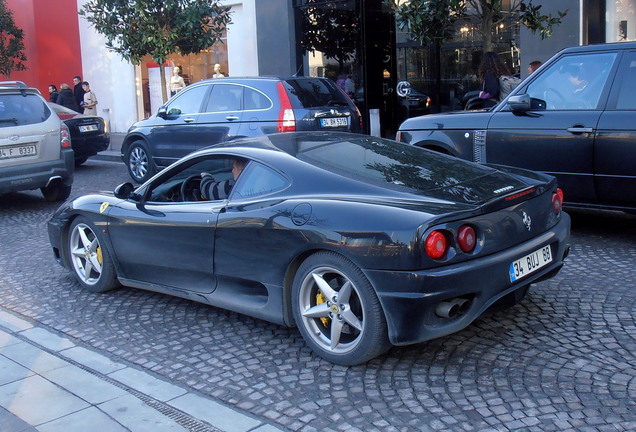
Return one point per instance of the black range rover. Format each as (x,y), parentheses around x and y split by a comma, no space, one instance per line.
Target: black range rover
(574,118)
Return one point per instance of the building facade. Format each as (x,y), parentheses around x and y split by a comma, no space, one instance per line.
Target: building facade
(355,39)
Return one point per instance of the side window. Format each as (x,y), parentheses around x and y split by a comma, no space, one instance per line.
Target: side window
(573,82)
(259,180)
(188,101)
(225,98)
(627,91)
(255,100)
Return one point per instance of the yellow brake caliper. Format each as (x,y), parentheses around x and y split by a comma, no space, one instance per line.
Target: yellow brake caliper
(99,256)
(320,299)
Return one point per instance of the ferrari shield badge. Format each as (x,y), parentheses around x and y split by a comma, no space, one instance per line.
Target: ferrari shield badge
(103,207)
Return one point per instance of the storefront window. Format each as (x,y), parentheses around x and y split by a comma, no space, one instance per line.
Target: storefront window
(621,20)
(193,68)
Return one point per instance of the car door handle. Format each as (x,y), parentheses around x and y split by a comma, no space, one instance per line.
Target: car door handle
(579,129)
(231,118)
(188,119)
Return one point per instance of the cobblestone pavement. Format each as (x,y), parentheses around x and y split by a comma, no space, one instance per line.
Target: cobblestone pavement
(562,360)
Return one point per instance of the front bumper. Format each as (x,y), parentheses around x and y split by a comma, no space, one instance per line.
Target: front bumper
(409,298)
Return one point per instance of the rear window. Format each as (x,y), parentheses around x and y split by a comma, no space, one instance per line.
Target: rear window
(22,109)
(315,93)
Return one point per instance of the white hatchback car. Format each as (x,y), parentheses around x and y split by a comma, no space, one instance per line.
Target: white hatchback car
(35,146)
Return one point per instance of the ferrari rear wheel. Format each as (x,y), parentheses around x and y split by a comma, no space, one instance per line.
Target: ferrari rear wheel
(90,260)
(337,310)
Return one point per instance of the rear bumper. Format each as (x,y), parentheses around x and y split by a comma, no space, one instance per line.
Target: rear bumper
(85,147)
(37,175)
(409,299)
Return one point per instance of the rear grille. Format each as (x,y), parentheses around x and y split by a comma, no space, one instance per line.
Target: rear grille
(479,146)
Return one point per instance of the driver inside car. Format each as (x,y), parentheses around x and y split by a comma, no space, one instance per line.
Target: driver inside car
(213,190)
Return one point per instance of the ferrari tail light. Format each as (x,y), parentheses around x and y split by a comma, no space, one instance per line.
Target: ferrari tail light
(436,245)
(557,201)
(65,136)
(286,118)
(466,238)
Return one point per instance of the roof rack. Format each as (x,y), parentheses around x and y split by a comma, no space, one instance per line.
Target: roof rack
(16,84)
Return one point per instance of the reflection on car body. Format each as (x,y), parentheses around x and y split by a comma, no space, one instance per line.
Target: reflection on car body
(360,242)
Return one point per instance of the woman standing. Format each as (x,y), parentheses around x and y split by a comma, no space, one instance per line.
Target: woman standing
(67,98)
(490,69)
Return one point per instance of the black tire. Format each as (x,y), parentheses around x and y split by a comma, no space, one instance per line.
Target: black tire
(89,257)
(329,289)
(80,161)
(56,191)
(139,162)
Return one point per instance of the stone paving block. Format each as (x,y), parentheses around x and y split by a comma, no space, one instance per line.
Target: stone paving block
(32,357)
(135,415)
(214,413)
(89,419)
(11,371)
(12,423)
(7,339)
(13,323)
(47,339)
(31,400)
(147,384)
(89,387)
(93,360)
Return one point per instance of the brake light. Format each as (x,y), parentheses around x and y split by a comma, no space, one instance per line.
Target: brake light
(436,245)
(286,118)
(65,136)
(466,238)
(557,201)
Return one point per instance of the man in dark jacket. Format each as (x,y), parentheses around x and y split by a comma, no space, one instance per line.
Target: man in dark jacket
(78,91)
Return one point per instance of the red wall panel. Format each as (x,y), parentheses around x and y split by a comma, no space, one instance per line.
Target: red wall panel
(51,39)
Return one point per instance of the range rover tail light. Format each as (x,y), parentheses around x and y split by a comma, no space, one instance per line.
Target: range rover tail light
(286,118)
(557,201)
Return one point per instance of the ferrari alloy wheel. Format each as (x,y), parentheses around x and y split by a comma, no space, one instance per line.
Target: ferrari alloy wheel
(337,310)
(139,163)
(90,260)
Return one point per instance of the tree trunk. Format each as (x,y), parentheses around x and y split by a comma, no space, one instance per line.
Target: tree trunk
(162,75)
(486,27)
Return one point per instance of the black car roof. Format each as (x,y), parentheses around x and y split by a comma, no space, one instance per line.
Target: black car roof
(247,79)
(601,47)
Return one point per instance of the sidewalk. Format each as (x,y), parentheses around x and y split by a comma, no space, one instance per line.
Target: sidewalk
(49,384)
(113,153)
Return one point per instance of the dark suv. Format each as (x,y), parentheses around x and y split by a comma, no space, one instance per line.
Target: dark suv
(222,109)
(574,118)
(35,147)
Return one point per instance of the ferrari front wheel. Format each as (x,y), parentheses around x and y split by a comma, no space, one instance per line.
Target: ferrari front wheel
(89,258)
(337,310)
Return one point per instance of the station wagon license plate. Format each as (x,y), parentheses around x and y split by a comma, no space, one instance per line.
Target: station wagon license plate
(88,128)
(530,263)
(334,122)
(18,151)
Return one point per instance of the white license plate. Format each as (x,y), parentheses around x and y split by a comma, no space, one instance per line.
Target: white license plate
(18,151)
(88,128)
(530,263)
(334,122)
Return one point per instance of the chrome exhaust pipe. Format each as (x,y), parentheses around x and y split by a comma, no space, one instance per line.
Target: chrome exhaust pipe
(452,308)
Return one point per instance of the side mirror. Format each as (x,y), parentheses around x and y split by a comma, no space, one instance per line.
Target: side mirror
(162,113)
(519,103)
(125,191)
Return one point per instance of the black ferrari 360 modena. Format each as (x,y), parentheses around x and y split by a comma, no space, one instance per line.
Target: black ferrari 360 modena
(360,242)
